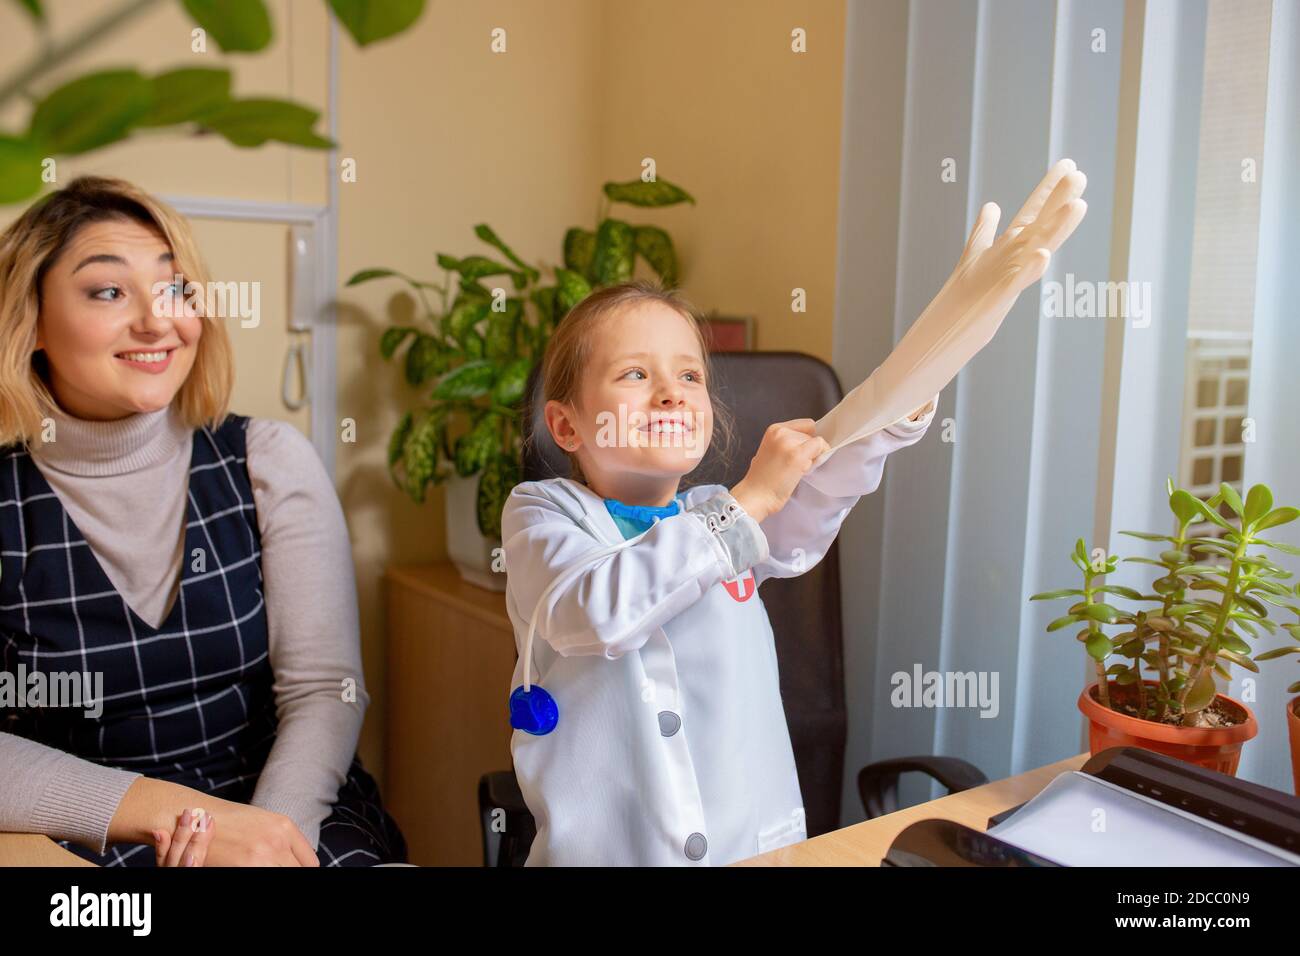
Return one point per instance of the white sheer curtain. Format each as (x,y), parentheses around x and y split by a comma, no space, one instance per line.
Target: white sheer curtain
(984,511)
(1063,427)
(1274,458)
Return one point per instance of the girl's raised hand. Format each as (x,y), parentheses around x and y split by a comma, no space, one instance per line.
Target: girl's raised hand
(787,451)
(966,313)
(188,844)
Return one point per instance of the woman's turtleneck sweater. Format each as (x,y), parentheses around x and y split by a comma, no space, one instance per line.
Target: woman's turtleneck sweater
(124,484)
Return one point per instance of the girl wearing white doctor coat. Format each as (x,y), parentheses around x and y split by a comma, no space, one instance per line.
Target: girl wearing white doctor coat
(672,746)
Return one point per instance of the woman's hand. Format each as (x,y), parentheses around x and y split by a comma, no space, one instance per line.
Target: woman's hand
(188,844)
(784,456)
(251,836)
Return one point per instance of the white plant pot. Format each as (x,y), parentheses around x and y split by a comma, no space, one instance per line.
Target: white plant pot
(469,549)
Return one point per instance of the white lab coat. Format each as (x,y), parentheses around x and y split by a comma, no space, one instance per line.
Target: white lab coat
(672,746)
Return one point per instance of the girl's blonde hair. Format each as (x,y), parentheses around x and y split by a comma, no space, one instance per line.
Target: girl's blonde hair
(569,351)
(33,243)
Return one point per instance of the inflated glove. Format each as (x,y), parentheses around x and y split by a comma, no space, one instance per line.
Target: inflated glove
(964,316)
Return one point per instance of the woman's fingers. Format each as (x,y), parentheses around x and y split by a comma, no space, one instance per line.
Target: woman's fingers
(302,850)
(181,838)
(162,840)
(198,851)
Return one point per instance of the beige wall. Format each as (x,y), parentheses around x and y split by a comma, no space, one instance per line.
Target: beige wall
(713,92)
(447,134)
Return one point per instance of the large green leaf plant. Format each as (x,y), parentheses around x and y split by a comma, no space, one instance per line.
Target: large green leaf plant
(107,106)
(481,331)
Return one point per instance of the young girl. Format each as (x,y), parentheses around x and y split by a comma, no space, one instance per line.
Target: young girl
(655,733)
(671,744)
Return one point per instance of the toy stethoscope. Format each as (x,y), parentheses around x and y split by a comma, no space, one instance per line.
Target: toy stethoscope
(532,709)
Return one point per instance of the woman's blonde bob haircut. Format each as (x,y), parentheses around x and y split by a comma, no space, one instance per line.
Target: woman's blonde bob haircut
(33,243)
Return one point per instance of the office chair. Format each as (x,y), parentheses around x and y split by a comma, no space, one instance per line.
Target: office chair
(804,611)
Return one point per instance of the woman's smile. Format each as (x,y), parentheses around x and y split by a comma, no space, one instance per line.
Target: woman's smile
(153,361)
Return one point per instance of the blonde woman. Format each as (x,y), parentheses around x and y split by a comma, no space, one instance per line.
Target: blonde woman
(190,565)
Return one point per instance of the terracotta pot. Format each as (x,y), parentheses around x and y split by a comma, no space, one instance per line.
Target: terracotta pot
(1293,725)
(1218,748)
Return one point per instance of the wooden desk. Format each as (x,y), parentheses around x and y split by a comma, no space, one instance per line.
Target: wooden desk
(865,844)
(33,849)
(451,652)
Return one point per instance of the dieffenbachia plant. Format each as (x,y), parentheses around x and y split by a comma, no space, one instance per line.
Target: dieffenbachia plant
(98,109)
(479,339)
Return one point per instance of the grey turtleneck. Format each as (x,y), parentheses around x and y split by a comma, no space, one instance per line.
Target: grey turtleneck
(124,484)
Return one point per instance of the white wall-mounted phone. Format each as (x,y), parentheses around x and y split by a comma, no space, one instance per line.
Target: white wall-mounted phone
(301,320)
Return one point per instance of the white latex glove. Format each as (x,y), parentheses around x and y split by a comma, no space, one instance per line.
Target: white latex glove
(966,313)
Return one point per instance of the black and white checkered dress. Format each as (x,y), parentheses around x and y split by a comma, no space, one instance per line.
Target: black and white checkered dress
(190,701)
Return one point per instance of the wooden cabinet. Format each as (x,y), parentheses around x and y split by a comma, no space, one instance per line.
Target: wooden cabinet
(451,654)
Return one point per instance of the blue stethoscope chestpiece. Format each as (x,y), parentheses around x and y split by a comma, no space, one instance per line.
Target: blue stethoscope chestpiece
(533,711)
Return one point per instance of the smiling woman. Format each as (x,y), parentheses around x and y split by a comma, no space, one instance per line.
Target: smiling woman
(112,245)
(92,318)
(196,561)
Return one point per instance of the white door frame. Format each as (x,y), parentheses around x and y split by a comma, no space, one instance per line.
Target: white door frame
(323,223)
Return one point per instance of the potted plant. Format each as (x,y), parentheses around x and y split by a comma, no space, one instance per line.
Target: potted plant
(1292,705)
(97,109)
(1211,593)
(478,339)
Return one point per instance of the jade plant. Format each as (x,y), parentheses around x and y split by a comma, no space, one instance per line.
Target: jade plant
(1211,593)
(483,328)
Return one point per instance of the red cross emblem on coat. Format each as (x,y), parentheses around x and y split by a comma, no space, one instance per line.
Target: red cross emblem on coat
(741,588)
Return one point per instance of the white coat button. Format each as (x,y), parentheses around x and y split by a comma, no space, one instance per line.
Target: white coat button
(696,846)
(669,723)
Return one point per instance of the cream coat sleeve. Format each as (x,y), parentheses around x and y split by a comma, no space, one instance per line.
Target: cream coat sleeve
(614,603)
(800,534)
